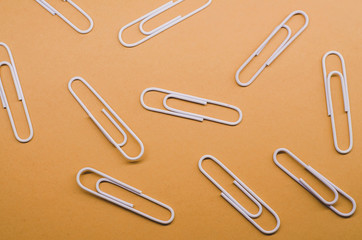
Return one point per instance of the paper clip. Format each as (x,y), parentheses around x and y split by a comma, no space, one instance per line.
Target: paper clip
(247,191)
(20,94)
(53,11)
(321,178)
(108,115)
(163,27)
(277,52)
(119,202)
(327,85)
(188,98)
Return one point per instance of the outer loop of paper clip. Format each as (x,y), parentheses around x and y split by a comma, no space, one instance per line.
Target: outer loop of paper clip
(53,11)
(287,41)
(339,213)
(112,117)
(180,113)
(246,190)
(327,82)
(325,77)
(159,29)
(18,89)
(20,95)
(320,177)
(101,194)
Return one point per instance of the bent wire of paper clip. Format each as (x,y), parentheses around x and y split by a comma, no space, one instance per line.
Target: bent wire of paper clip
(327,85)
(101,194)
(53,11)
(247,191)
(163,27)
(105,133)
(288,40)
(20,95)
(192,99)
(320,177)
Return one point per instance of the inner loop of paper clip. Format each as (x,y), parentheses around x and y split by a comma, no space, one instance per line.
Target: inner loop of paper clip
(188,98)
(247,191)
(192,100)
(112,116)
(119,202)
(288,40)
(336,191)
(157,12)
(149,34)
(20,97)
(130,198)
(53,11)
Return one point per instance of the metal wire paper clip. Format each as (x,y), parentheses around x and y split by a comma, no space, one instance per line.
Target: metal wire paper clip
(188,98)
(119,202)
(20,94)
(247,191)
(53,11)
(105,133)
(163,27)
(277,52)
(320,177)
(327,85)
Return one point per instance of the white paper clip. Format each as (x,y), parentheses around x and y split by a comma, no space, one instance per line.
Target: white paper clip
(163,27)
(192,99)
(327,85)
(247,191)
(119,202)
(53,11)
(321,178)
(20,94)
(109,116)
(278,51)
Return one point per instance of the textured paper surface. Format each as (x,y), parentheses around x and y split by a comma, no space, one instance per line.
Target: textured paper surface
(284,107)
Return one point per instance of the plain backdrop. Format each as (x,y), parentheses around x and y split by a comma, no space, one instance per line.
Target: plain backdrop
(284,107)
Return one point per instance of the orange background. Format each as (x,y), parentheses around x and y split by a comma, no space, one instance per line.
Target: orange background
(284,107)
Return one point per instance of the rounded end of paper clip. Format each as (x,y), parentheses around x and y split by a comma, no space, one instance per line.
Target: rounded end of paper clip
(128,45)
(24,140)
(278,151)
(340,151)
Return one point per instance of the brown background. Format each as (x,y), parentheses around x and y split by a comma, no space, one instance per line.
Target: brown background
(284,107)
